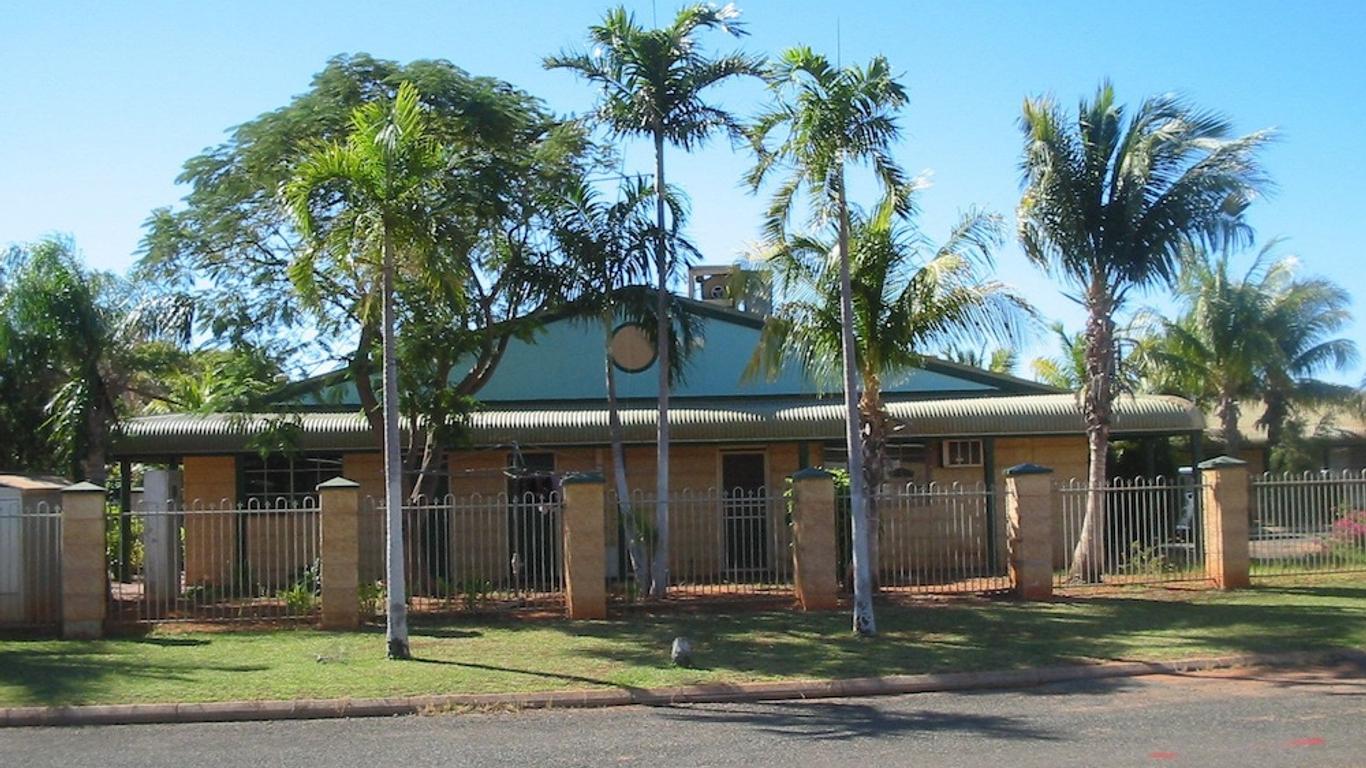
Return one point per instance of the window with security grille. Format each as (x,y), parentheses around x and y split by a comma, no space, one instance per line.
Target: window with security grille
(962,453)
(291,480)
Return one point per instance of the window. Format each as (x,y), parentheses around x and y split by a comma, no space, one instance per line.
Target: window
(962,453)
(293,479)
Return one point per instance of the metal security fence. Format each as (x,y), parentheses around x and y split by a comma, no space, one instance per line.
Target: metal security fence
(721,543)
(1312,522)
(476,553)
(30,565)
(946,539)
(206,563)
(1151,532)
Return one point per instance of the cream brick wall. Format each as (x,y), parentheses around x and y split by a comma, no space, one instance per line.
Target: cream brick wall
(210,482)
(1066,456)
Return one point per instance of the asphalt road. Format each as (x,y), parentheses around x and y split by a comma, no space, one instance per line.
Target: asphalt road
(1235,718)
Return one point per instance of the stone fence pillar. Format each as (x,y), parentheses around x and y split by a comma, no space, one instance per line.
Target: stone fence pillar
(85,588)
(1227,556)
(1029,530)
(814,549)
(339,526)
(585,542)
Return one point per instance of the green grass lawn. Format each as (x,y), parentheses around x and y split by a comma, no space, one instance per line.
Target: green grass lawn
(509,654)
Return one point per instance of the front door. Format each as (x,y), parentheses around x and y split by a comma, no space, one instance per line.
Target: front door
(745,513)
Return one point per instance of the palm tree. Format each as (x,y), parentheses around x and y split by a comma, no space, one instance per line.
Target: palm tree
(652,83)
(383,182)
(96,347)
(1109,201)
(1067,370)
(606,245)
(908,296)
(833,117)
(1216,350)
(1258,336)
(998,360)
(1303,312)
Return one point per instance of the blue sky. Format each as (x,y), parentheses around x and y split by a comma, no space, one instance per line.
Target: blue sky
(105,101)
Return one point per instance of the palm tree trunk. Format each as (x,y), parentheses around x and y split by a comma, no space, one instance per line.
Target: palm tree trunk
(864,623)
(663,328)
(396,614)
(94,465)
(874,416)
(635,544)
(1228,426)
(1088,558)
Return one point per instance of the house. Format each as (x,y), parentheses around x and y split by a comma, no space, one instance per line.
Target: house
(544,415)
(1335,438)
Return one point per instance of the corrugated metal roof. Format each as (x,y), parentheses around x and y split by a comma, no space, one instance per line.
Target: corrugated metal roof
(1328,425)
(716,421)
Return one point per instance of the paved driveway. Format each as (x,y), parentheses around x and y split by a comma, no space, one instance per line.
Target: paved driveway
(1233,718)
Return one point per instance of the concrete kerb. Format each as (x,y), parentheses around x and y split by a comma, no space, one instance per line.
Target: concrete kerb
(316,709)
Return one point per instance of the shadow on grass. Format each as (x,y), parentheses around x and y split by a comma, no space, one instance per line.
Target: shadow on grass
(49,672)
(852,720)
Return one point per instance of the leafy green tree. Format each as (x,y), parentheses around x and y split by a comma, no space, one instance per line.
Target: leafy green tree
(653,82)
(95,346)
(829,118)
(384,184)
(1109,201)
(493,267)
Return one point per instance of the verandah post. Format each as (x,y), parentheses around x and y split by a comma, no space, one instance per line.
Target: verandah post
(1227,552)
(339,527)
(1029,530)
(85,591)
(814,548)
(585,543)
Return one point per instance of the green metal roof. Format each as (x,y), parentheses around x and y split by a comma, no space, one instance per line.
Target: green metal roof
(728,420)
(563,362)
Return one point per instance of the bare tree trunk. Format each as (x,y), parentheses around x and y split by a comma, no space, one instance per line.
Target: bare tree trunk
(864,622)
(663,328)
(1088,558)
(396,633)
(635,543)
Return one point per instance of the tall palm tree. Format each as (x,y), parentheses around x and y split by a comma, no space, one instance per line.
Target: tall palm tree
(907,296)
(1109,200)
(829,118)
(652,83)
(383,182)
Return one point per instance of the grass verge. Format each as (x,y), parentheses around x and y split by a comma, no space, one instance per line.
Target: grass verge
(732,645)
